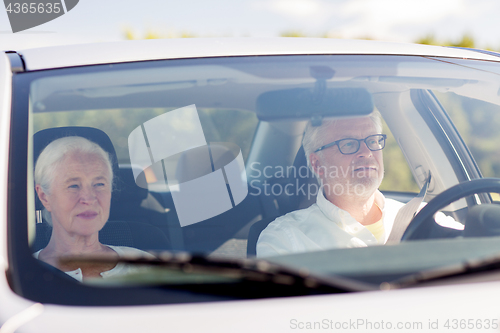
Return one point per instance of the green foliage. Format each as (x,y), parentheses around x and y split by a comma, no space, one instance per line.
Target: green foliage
(230,126)
(467,40)
(398,176)
(218,125)
(477,122)
(117,123)
(292,33)
(129,34)
(297,33)
(429,39)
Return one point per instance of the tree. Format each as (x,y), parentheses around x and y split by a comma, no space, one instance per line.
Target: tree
(152,34)
(467,40)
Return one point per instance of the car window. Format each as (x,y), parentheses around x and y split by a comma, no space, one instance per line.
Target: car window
(398,176)
(477,121)
(234,125)
(293,160)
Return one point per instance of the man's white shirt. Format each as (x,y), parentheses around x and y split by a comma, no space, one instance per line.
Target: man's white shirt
(323,226)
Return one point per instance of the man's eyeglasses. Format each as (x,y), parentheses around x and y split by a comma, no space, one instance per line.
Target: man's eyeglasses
(351,146)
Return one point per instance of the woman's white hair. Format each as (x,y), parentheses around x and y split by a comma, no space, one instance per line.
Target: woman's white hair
(55,152)
(314,136)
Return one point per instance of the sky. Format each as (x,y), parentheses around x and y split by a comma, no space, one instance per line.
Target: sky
(388,20)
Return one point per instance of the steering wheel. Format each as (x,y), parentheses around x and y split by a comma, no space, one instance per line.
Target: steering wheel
(424,219)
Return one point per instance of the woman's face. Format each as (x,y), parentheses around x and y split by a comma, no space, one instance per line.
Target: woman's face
(80,195)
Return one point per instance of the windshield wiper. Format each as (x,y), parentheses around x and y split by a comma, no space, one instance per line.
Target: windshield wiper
(468,267)
(242,278)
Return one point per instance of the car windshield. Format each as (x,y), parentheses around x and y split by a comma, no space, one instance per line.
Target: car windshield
(304,162)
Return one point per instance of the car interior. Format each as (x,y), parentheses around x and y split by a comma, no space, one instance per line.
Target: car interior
(146,218)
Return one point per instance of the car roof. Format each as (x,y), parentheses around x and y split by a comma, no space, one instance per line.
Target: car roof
(141,50)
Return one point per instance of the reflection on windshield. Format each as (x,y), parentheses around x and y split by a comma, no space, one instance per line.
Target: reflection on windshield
(262,156)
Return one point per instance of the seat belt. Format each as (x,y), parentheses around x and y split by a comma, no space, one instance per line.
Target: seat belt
(407,213)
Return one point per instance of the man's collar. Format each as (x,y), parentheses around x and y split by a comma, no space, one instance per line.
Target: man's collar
(331,211)
(339,215)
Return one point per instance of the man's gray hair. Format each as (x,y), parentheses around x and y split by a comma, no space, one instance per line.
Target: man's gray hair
(314,136)
(55,152)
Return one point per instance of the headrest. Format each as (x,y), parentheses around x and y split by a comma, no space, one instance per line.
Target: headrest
(304,177)
(42,138)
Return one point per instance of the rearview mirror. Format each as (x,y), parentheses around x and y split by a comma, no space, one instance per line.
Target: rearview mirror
(308,103)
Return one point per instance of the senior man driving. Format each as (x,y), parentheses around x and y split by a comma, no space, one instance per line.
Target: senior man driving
(346,158)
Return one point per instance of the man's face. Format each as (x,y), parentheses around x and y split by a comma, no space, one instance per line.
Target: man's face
(357,174)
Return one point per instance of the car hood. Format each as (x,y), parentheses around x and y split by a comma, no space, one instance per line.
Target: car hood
(346,312)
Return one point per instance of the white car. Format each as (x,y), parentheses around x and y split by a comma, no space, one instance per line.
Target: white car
(205,143)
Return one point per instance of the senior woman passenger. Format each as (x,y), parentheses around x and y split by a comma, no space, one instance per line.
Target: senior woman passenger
(74,180)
